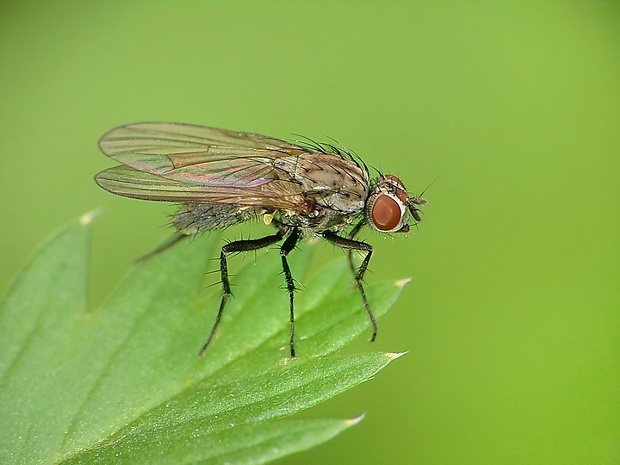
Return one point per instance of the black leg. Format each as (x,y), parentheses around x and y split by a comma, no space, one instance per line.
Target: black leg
(351,235)
(237,246)
(356,229)
(178,237)
(351,245)
(289,244)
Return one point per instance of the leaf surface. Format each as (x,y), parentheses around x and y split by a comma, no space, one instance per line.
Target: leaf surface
(123,383)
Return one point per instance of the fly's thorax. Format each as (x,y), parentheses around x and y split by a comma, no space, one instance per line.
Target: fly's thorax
(327,180)
(317,221)
(389,206)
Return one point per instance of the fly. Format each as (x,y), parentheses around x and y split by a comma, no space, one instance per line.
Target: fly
(223,177)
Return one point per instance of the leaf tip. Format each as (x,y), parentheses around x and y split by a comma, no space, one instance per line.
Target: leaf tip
(89,217)
(394,355)
(402,282)
(355,420)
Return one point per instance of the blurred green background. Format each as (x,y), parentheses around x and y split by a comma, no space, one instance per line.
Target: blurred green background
(512,319)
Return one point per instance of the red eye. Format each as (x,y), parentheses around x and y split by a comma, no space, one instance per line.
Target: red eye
(385,213)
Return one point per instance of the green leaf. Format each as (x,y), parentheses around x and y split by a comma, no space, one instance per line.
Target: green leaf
(124,383)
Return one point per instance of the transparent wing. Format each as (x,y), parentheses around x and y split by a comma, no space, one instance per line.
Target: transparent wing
(129,182)
(197,154)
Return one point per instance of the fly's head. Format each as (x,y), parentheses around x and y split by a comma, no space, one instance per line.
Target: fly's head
(389,206)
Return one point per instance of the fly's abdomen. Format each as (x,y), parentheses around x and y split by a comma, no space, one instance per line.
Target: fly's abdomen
(196,217)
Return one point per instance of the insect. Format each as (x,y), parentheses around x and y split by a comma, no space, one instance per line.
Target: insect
(222,177)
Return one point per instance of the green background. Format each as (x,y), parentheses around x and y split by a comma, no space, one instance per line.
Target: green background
(512,321)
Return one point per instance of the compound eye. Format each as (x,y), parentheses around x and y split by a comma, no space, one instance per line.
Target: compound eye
(385,213)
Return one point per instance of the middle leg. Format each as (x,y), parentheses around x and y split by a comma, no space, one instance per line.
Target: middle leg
(289,244)
(237,246)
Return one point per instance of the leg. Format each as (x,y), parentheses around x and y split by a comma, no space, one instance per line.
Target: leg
(178,237)
(237,246)
(350,244)
(289,244)
(351,235)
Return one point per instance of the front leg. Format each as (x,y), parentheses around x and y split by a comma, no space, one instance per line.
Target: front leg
(356,229)
(351,245)
(236,246)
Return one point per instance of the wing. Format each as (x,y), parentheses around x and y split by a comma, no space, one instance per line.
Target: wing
(196,154)
(129,182)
